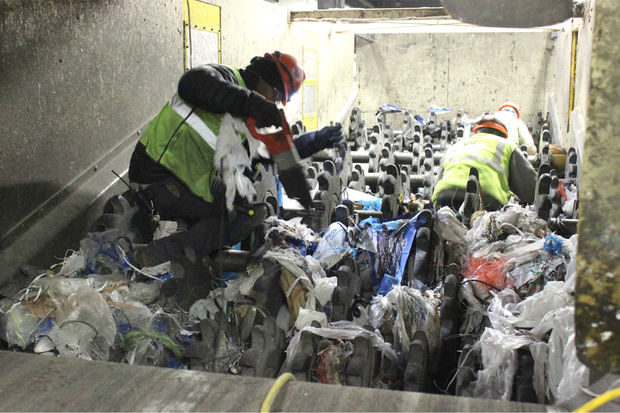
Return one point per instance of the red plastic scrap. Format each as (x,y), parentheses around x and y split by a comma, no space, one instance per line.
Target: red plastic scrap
(490,273)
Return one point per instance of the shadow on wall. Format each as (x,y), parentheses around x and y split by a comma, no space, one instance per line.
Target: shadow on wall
(52,228)
(15,200)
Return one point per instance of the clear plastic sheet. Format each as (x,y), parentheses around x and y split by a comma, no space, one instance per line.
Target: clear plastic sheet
(566,374)
(85,327)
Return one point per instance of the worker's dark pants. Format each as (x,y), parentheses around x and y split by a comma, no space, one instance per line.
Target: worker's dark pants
(454,198)
(206,221)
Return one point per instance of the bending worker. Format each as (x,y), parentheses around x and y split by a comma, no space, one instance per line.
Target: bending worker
(501,168)
(510,115)
(178,175)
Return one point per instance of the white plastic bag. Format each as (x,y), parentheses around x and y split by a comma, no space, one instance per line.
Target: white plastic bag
(231,159)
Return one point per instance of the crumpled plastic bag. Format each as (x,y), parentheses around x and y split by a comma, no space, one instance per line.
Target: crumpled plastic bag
(207,307)
(242,284)
(72,264)
(231,159)
(17,324)
(475,312)
(151,345)
(511,219)
(85,326)
(102,253)
(451,228)
(306,317)
(281,233)
(333,246)
(506,315)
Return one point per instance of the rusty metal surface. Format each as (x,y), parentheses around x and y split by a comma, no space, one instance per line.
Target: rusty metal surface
(597,311)
(510,13)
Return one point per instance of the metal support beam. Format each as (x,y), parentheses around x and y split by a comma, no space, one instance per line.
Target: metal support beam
(367,15)
(597,308)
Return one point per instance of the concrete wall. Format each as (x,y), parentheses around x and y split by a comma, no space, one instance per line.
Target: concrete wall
(253,27)
(77,78)
(470,71)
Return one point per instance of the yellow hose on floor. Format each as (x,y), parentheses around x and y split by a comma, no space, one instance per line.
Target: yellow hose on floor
(597,402)
(274,390)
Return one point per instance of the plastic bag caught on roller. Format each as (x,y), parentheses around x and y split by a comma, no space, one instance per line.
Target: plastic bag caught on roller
(407,310)
(499,358)
(343,330)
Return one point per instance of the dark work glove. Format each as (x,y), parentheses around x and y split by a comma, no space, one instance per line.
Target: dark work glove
(312,142)
(264,111)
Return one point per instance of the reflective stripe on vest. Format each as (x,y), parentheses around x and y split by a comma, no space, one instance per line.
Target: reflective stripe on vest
(495,163)
(193,120)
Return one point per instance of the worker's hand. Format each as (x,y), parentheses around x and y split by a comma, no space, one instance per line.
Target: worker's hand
(265,112)
(329,136)
(312,142)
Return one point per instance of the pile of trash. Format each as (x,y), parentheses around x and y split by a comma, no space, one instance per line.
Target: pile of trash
(519,287)
(413,303)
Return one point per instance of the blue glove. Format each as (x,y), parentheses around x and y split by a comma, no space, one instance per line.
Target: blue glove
(312,142)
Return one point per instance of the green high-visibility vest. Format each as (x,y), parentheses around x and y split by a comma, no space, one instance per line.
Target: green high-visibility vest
(189,153)
(489,154)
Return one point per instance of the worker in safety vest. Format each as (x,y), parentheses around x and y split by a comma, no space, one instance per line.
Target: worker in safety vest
(502,168)
(173,160)
(510,115)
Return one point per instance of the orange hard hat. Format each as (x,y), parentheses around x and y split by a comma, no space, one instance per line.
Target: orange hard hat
(511,105)
(492,122)
(291,73)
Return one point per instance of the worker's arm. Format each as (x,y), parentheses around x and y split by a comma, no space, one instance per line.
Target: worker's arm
(522,177)
(525,138)
(214,88)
